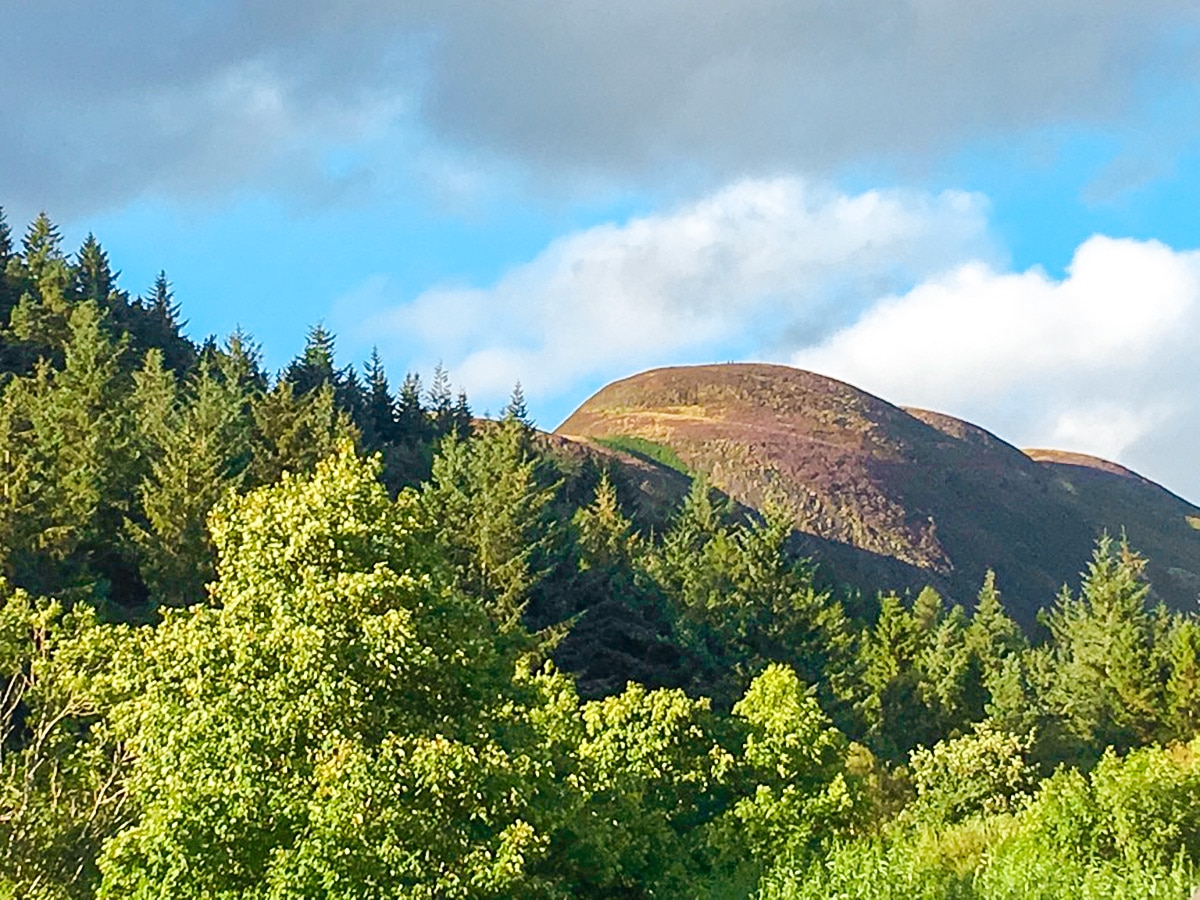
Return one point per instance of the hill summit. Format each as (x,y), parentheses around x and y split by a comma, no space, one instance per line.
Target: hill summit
(884,496)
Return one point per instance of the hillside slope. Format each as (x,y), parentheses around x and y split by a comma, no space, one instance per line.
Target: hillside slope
(885,496)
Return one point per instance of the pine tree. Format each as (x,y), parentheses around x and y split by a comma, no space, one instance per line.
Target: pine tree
(292,433)
(896,696)
(379,425)
(1106,683)
(155,321)
(8,286)
(6,241)
(460,417)
(70,441)
(490,499)
(516,408)
(1182,690)
(412,422)
(200,451)
(43,247)
(441,402)
(314,367)
(94,278)
(350,396)
(162,305)
(993,636)
(240,362)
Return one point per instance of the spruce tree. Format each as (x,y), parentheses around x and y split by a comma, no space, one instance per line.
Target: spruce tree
(1106,683)
(314,367)
(154,321)
(350,396)
(490,497)
(1182,690)
(441,401)
(412,422)
(516,408)
(461,417)
(201,450)
(70,442)
(8,287)
(43,247)
(993,636)
(94,278)
(6,241)
(379,425)
(292,433)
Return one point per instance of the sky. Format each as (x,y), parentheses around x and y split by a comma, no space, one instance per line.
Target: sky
(986,208)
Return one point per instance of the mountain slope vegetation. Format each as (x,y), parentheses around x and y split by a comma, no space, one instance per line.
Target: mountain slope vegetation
(892,496)
(301,635)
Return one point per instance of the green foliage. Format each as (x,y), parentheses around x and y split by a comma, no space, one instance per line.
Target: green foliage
(490,499)
(337,720)
(68,462)
(199,449)
(61,771)
(795,760)
(291,433)
(94,278)
(648,774)
(1105,683)
(516,409)
(1129,829)
(742,600)
(639,446)
(42,245)
(986,771)
(335,691)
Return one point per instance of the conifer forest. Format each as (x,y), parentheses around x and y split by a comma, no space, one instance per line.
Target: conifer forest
(327,633)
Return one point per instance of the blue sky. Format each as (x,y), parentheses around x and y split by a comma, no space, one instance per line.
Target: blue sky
(987,208)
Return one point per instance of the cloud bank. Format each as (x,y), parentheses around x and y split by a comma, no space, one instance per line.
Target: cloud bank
(1102,361)
(757,266)
(870,288)
(105,102)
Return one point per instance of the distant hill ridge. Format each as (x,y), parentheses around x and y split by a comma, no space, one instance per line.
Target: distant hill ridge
(883,495)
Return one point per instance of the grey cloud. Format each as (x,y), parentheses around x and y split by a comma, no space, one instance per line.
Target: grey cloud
(761,84)
(101,102)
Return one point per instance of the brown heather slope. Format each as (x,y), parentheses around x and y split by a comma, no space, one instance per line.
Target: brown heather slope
(888,497)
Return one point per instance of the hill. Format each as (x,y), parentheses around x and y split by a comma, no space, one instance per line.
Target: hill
(886,496)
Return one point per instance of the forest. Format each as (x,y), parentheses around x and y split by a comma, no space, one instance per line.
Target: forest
(306,634)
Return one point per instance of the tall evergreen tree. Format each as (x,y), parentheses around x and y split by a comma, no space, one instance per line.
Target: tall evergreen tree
(1182,690)
(8,288)
(379,425)
(894,697)
(201,450)
(516,408)
(1106,680)
(69,442)
(441,401)
(292,433)
(162,306)
(43,247)
(94,278)
(490,498)
(154,321)
(461,417)
(314,367)
(6,240)
(412,422)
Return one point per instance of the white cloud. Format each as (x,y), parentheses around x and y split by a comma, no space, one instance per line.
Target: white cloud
(752,266)
(1102,361)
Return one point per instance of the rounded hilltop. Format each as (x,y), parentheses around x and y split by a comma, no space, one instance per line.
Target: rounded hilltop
(878,492)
